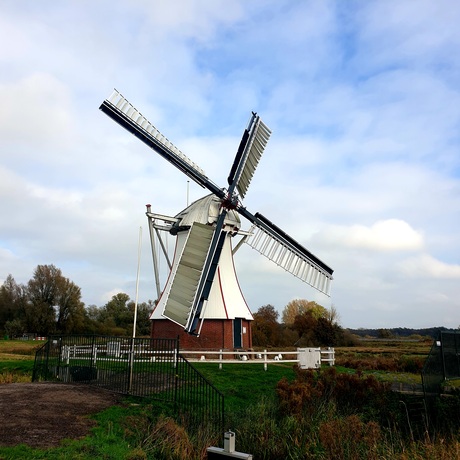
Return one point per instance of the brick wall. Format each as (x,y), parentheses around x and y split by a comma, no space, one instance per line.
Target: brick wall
(215,334)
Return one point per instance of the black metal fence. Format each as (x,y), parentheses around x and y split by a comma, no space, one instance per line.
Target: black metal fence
(443,362)
(132,366)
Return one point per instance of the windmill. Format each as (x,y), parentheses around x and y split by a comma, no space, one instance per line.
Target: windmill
(192,275)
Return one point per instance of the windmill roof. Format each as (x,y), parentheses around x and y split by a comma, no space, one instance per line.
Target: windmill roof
(206,211)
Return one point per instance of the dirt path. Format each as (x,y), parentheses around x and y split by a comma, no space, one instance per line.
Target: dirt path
(42,414)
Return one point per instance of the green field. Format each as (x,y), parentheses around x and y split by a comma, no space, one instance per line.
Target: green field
(344,413)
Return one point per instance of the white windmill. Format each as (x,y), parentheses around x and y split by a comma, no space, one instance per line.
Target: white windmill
(202,283)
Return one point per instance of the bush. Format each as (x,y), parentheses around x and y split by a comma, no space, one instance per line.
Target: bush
(349,393)
(350,438)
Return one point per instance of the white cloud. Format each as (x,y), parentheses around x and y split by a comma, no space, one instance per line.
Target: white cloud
(385,235)
(35,110)
(427,266)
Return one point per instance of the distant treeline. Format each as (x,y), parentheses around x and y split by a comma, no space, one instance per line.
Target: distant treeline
(402,332)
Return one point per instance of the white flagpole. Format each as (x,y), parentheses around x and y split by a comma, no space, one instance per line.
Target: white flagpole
(131,360)
(137,280)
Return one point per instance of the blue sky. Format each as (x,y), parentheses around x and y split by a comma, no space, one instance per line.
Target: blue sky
(362,168)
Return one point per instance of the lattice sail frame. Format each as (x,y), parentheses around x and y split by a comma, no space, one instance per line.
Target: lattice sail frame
(292,261)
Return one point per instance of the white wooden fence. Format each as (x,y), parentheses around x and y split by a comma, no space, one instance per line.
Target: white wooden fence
(306,358)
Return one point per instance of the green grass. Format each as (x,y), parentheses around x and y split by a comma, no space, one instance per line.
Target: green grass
(242,384)
(107,441)
(25,366)
(19,347)
(17,360)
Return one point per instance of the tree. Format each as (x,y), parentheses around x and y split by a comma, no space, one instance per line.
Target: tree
(265,328)
(70,308)
(384,334)
(305,324)
(14,328)
(326,332)
(314,324)
(299,306)
(12,301)
(92,324)
(54,303)
(40,315)
(333,315)
(116,317)
(143,323)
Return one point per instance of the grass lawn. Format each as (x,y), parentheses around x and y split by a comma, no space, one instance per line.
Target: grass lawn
(17,360)
(241,384)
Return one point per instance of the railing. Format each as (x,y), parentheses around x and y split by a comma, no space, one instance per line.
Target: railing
(442,363)
(325,356)
(194,390)
(134,366)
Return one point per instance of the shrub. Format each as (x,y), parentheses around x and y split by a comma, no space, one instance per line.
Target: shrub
(350,438)
(349,393)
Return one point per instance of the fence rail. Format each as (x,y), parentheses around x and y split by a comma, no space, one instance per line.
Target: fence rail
(95,353)
(325,356)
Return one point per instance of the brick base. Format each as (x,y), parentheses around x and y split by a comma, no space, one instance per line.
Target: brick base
(215,334)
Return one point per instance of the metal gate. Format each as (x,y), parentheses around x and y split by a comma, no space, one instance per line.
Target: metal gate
(443,362)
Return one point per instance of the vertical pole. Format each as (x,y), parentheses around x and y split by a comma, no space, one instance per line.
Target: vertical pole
(93,345)
(47,359)
(137,280)
(265,360)
(131,358)
(443,359)
(176,376)
(154,252)
(220,359)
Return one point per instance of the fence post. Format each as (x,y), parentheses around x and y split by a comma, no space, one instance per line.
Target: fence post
(131,365)
(93,345)
(331,356)
(66,353)
(220,359)
(265,360)
(443,357)
(176,375)
(47,359)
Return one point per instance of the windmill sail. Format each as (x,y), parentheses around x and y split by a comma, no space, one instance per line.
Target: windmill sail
(279,247)
(251,148)
(124,113)
(185,276)
(208,273)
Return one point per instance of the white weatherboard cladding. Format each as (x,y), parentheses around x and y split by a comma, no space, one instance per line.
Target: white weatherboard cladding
(225,301)
(185,275)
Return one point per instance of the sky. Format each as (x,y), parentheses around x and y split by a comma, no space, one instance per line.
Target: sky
(362,167)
